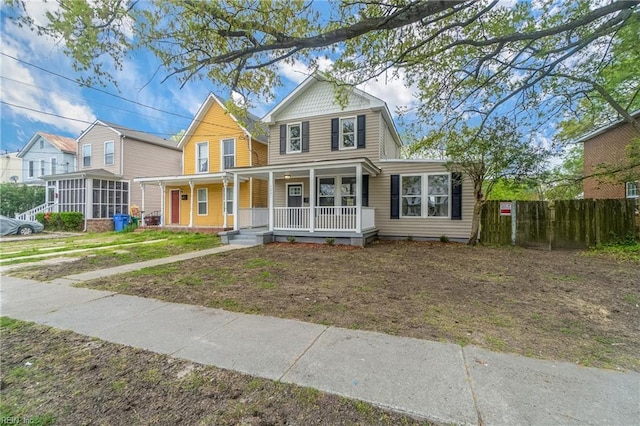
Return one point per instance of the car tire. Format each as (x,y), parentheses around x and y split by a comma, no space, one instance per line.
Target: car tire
(25,230)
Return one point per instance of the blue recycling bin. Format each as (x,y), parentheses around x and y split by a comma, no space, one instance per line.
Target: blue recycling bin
(120,221)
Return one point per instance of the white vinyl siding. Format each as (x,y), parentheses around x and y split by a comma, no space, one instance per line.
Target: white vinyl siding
(202,202)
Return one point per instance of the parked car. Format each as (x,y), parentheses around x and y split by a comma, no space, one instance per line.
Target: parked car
(10,226)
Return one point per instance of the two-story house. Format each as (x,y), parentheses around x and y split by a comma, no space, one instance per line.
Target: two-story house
(47,154)
(607,147)
(202,196)
(109,157)
(335,172)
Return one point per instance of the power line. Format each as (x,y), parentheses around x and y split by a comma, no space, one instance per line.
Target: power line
(192,119)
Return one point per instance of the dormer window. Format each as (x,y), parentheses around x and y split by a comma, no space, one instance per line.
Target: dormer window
(294,138)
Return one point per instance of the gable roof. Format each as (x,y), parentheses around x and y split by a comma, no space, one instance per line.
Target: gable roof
(604,129)
(254,127)
(376,104)
(131,134)
(61,143)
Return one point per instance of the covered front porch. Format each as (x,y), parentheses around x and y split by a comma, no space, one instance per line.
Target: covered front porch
(320,199)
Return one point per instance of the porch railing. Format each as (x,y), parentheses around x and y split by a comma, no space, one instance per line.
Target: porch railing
(325,218)
(253,218)
(30,215)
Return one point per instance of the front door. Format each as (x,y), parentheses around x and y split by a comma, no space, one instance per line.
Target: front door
(294,199)
(175,206)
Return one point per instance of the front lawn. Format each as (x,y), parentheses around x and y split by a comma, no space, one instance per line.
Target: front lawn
(563,305)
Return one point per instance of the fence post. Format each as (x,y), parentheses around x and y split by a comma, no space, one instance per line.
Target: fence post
(513,223)
(551,224)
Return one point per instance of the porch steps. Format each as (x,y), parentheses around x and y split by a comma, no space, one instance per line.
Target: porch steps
(247,237)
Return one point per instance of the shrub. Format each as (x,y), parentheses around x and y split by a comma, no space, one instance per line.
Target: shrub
(330,241)
(444,239)
(291,239)
(65,221)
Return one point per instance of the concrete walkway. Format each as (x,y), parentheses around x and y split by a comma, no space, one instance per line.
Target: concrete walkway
(440,382)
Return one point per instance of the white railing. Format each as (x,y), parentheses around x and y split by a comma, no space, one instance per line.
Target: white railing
(336,218)
(30,215)
(368,217)
(291,218)
(253,218)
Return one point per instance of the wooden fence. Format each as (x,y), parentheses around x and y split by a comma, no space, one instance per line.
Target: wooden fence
(559,224)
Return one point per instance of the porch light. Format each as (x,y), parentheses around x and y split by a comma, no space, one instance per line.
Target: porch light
(287,176)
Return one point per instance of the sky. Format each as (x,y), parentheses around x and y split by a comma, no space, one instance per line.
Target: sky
(39,92)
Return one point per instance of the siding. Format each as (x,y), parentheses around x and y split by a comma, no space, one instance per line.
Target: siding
(214,127)
(46,153)
(388,148)
(379,198)
(608,148)
(143,159)
(96,137)
(214,216)
(320,140)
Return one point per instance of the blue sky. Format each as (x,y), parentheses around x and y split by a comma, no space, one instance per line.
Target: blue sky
(35,99)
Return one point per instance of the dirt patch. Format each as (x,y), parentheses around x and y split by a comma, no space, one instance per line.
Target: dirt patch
(558,305)
(57,377)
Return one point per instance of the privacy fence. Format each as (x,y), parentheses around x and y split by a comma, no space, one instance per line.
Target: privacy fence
(558,224)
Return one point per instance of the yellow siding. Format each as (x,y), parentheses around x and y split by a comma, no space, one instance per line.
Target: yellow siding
(214,216)
(214,127)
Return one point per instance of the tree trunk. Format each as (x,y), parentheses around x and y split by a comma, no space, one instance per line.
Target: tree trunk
(477,213)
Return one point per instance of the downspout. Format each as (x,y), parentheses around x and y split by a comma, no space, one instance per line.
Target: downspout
(122,159)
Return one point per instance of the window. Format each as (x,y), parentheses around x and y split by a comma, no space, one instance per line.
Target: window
(326,191)
(54,166)
(109,198)
(108,153)
(229,200)
(41,144)
(632,189)
(348,191)
(31,167)
(437,195)
(228,154)
(411,195)
(202,201)
(294,138)
(202,157)
(42,166)
(86,155)
(347,133)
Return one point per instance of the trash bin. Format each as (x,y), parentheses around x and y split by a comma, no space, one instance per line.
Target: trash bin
(120,221)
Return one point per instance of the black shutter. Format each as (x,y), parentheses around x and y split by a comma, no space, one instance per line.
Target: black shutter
(283,139)
(361,131)
(456,196)
(395,196)
(365,190)
(335,134)
(305,136)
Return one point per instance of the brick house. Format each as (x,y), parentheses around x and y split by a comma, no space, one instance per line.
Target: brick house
(607,145)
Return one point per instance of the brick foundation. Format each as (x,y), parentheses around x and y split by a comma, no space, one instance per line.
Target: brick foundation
(100,225)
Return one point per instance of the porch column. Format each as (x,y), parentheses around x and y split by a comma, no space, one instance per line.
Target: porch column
(162,209)
(191,204)
(142,204)
(270,201)
(312,199)
(236,199)
(359,198)
(224,202)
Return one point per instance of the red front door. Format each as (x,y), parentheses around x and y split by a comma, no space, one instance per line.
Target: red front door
(175,206)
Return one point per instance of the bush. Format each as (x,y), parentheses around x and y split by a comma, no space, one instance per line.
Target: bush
(330,241)
(291,239)
(444,239)
(65,221)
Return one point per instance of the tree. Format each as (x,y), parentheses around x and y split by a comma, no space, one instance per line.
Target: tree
(564,182)
(18,198)
(498,152)
(466,57)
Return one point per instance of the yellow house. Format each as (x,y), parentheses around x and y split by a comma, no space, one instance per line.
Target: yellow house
(204,196)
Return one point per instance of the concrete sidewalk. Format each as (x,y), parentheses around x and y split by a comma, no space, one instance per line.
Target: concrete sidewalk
(441,382)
